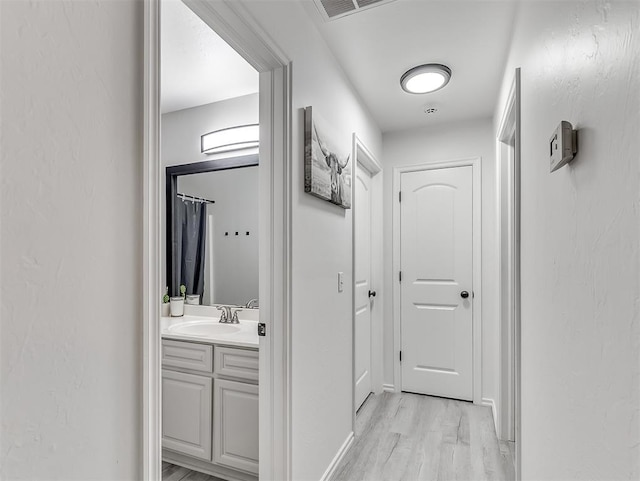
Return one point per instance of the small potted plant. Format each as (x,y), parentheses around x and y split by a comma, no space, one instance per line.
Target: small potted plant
(165,304)
(177,303)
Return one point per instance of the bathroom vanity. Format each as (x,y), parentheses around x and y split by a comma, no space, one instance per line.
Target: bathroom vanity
(210,396)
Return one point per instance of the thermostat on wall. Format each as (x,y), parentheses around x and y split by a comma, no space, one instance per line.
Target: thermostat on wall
(563,145)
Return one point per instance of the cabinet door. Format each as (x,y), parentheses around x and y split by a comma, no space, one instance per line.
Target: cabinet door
(235,425)
(186,414)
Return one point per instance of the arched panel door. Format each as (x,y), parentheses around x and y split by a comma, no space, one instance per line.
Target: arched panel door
(436,248)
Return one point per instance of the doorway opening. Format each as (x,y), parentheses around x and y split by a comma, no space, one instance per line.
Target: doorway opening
(265,395)
(209,98)
(508,150)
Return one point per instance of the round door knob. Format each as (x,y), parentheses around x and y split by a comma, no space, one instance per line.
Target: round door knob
(372,293)
(464,294)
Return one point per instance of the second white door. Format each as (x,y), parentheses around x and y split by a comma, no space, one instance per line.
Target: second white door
(363,301)
(436,249)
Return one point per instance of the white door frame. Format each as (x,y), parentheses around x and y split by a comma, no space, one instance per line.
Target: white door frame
(361,155)
(508,149)
(235,25)
(476,163)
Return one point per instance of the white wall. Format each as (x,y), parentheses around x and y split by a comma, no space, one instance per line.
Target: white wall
(580,239)
(231,261)
(71,213)
(321,336)
(473,138)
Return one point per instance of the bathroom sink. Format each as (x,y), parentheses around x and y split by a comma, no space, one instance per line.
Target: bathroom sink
(203,328)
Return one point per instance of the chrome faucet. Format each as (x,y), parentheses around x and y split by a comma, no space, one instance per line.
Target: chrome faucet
(251,304)
(226,313)
(229,315)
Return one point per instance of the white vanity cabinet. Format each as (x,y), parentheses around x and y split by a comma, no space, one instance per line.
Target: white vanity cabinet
(210,408)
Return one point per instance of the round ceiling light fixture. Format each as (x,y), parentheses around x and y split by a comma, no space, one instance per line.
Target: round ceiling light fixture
(425,78)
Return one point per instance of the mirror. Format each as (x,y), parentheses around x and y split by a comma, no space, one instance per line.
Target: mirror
(212,230)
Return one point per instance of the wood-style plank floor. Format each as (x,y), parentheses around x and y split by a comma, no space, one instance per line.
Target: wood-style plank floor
(171,472)
(410,437)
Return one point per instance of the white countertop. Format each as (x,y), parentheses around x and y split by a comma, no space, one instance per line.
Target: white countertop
(246,336)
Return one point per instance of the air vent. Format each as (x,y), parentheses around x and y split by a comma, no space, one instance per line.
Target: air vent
(334,9)
(337,8)
(367,3)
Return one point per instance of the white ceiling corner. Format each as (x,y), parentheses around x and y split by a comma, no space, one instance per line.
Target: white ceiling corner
(198,67)
(376,46)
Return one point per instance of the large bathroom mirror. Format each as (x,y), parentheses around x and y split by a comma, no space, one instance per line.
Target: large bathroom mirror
(212,230)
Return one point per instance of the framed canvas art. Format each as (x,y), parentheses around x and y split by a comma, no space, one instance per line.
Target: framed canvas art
(327,165)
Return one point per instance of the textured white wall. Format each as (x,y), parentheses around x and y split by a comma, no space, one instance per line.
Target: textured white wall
(473,138)
(322,242)
(580,239)
(71,91)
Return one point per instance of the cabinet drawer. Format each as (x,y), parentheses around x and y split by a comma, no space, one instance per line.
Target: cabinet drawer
(187,355)
(241,363)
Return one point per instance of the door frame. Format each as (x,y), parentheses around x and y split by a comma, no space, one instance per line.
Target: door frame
(476,164)
(232,22)
(363,156)
(508,150)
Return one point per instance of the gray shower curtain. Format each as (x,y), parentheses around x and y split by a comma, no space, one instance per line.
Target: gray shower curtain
(190,222)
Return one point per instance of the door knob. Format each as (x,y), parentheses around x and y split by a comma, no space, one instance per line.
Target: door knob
(464,294)
(372,293)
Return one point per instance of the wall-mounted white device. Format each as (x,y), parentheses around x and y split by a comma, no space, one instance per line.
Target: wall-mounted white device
(563,145)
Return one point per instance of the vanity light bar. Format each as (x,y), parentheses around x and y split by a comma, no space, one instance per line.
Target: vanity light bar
(232,138)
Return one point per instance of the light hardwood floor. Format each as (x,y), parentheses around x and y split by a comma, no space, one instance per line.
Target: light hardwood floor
(171,472)
(410,437)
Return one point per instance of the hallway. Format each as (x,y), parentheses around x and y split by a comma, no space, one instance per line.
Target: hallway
(413,437)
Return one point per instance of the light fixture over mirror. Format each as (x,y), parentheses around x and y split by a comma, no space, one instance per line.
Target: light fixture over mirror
(232,138)
(425,78)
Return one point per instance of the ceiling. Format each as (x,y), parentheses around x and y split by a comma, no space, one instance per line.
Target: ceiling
(198,67)
(376,46)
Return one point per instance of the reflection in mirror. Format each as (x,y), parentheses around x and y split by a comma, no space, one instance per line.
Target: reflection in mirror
(212,220)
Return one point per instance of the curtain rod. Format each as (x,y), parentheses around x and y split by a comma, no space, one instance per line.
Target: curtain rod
(195,199)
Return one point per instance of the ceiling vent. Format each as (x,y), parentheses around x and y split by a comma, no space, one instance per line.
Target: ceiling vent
(334,9)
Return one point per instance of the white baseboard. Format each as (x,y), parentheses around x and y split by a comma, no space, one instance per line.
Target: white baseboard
(491,403)
(388,388)
(338,457)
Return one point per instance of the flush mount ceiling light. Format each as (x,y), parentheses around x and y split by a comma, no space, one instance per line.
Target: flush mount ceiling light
(232,138)
(425,78)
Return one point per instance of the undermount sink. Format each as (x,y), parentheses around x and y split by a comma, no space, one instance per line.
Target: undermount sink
(203,328)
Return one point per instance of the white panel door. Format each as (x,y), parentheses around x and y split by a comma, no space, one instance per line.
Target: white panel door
(436,214)
(363,301)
